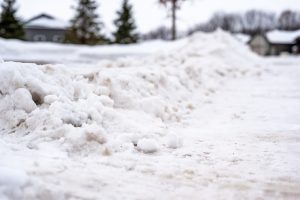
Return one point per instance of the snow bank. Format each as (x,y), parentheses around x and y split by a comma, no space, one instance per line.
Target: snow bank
(122,105)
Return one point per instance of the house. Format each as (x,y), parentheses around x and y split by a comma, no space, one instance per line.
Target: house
(276,42)
(45,28)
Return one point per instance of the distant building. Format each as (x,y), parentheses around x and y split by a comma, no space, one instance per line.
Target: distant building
(45,28)
(276,42)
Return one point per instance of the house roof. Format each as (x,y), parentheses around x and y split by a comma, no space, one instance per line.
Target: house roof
(284,37)
(46,21)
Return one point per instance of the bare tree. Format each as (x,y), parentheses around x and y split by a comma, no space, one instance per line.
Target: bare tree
(233,23)
(228,22)
(255,21)
(175,4)
(162,32)
(251,22)
(289,20)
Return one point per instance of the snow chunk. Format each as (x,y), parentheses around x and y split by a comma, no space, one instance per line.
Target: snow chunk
(49,99)
(23,100)
(173,141)
(76,138)
(147,145)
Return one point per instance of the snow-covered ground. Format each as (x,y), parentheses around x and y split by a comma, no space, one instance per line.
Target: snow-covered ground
(74,55)
(206,119)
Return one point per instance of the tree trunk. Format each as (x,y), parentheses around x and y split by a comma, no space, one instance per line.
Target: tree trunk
(174,7)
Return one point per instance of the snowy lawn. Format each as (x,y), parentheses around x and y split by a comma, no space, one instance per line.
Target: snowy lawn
(207,120)
(75,55)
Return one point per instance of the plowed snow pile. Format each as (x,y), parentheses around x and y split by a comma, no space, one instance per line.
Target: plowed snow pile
(122,105)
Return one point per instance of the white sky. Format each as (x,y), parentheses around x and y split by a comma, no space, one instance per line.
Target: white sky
(149,14)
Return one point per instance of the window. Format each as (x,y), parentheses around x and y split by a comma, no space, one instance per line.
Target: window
(39,38)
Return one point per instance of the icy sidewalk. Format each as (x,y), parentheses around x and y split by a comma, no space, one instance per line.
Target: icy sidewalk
(246,140)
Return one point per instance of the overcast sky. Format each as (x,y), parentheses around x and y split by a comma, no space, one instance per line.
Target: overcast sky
(149,14)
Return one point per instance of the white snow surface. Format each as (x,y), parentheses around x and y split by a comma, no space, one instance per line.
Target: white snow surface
(194,122)
(279,36)
(147,145)
(79,55)
(242,37)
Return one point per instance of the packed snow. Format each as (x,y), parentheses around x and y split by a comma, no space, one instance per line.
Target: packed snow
(145,127)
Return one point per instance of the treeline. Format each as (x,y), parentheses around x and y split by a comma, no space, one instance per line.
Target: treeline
(85,27)
(250,22)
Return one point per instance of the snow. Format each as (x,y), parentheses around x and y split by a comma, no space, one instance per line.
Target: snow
(41,52)
(47,23)
(279,36)
(22,99)
(11,183)
(242,37)
(147,145)
(63,104)
(174,141)
(206,118)
(10,177)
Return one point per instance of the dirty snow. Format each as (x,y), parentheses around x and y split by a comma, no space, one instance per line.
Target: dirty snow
(208,120)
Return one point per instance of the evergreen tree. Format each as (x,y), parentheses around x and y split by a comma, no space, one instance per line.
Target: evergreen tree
(85,26)
(10,26)
(125,33)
